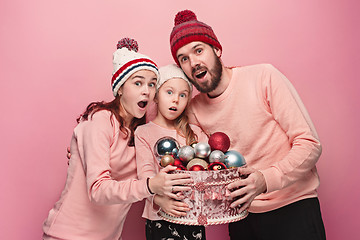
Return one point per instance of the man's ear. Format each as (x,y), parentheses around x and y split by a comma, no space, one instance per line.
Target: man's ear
(217,51)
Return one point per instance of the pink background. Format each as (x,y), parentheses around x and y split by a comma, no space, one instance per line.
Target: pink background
(56,58)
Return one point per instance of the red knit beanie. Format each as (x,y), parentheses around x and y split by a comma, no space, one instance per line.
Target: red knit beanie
(188,29)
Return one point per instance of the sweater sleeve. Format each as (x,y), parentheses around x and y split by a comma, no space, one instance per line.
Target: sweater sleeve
(289,112)
(145,159)
(95,139)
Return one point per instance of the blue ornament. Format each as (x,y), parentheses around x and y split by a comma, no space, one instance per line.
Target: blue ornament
(165,146)
(234,159)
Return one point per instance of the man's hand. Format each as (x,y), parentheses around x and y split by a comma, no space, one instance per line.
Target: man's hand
(245,190)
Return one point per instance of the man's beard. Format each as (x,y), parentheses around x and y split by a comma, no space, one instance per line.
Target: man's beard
(213,83)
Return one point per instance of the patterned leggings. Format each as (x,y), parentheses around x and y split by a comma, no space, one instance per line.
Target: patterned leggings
(163,230)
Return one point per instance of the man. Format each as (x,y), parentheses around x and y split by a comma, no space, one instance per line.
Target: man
(259,109)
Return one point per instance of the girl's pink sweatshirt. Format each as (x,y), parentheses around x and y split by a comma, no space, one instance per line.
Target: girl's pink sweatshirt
(101,184)
(146,137)
(267,122)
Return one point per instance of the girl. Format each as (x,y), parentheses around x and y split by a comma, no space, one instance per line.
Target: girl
(101,182)
(172,97)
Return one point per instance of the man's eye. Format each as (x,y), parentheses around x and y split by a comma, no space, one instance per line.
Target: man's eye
(199,50)
(184,59)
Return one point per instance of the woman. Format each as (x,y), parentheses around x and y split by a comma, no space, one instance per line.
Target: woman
(101,182)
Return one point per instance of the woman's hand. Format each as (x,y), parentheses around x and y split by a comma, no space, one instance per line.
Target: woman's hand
(169,184)
(171,206)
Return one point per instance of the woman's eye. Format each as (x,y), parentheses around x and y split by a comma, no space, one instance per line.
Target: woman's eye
(152,85)
(138,83)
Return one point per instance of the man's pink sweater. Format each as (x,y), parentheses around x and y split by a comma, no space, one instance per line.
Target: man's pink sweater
(267,122)
(146,137)
(100,186)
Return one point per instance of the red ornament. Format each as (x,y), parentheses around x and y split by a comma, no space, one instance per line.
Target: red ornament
(216,166)
(197,168)
(178,162)
(180,167)
(219,141)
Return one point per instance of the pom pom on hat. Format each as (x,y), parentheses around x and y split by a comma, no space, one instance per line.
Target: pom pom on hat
(129,43)
(188,29)
(184,16)
(127,61)
(169,72)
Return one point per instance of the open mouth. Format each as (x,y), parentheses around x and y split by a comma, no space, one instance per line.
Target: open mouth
(173,109)
(201,74)
(142,104)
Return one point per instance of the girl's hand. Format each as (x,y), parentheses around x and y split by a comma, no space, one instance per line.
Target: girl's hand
(169,184)
(171,206)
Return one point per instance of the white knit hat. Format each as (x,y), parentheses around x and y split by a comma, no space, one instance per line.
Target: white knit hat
(171,71)
(127,61)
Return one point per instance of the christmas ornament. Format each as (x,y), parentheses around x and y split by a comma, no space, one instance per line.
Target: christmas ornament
(180,167)
(166,160)
(193,144)
(216,166)
(216,156)
(196,168)
(165,146)
(178,162)
(202,150)
(175,152)
(186,153)
(197,164)
(219,141)
(234,159)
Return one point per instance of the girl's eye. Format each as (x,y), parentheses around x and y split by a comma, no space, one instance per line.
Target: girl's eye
(183,95)
(169,92)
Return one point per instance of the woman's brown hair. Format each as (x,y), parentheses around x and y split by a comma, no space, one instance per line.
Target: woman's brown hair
(114,107)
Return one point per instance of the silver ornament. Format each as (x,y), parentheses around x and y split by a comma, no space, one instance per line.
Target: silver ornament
(186,153)
(234,159)
(217,156)
(202,149)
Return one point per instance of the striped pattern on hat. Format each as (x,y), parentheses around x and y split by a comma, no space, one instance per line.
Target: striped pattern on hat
(127,61)
(188,29)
